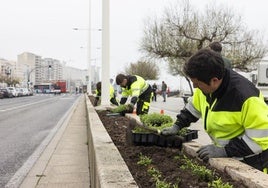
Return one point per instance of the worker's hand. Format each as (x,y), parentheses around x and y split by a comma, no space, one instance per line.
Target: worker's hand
(211,151)
(173,130)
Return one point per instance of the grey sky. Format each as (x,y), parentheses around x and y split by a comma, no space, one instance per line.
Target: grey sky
(44,27)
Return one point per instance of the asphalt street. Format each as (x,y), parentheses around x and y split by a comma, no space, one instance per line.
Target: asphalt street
(25,122)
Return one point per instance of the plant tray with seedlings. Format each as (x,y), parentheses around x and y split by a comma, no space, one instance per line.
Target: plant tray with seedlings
(148,132)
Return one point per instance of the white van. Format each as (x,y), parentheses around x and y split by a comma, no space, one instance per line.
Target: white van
(262,80)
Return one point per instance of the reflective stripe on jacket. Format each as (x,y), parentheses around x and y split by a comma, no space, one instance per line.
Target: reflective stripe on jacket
(236,109)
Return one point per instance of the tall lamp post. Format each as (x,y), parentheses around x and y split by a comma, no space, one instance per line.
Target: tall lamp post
(29,77)
(105,99)
(89,92)
(89,77)
(8,71)
(33,69)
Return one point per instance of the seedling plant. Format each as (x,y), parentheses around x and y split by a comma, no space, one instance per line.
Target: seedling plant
(202,172)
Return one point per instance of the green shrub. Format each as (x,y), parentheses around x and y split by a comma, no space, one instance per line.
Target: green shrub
(119,109)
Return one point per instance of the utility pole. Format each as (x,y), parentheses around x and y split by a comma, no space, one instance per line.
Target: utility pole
(105,88)
(89,92)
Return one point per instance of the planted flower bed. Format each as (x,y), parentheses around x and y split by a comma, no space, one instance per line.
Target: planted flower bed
(168,166)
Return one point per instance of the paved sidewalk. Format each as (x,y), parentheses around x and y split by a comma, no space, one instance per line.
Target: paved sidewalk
(64,163)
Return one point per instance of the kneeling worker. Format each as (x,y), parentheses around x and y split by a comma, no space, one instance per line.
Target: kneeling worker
(98,95)
(234,113)
(139,90)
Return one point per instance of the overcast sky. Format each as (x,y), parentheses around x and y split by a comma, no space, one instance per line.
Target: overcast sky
(44,27)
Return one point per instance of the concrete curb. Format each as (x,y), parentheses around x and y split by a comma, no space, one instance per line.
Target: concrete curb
(236,169)
(108,169)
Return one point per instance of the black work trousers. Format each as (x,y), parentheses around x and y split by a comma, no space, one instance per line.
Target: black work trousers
(259,161)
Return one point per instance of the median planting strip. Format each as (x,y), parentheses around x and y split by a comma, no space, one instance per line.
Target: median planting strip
(108,169)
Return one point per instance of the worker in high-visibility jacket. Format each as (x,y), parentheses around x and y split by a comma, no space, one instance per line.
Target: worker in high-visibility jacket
(233,111)
(139,90)
(98,95)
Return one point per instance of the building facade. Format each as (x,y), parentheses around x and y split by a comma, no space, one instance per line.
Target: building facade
(31,69)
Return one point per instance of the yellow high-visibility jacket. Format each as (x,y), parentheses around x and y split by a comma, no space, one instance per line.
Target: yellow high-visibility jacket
(135,88)
(235,116)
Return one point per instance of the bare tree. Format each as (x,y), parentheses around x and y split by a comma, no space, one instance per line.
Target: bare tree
(181,31)
(145,69)
(9,81)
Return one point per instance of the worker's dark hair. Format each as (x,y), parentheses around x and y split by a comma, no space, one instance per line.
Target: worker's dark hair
(215,46)
(119,78)
(204,65)
(98,86)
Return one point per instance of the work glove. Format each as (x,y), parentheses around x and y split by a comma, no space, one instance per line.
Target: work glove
(173,130)
(211,151)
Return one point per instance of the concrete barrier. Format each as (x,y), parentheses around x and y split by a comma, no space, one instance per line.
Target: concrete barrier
(108,169)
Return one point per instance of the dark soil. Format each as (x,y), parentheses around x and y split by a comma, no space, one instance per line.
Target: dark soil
(163,159)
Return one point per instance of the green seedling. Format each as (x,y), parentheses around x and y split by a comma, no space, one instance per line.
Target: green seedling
(144,160)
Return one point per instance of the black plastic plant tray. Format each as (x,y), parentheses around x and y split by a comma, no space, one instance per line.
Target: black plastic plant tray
(148,139)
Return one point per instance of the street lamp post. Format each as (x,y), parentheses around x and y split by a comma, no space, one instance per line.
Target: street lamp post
(88,51)
(89,77)
(33,69)
(8,71)
(49,72)
(28,77)
(89,92)
(105,99)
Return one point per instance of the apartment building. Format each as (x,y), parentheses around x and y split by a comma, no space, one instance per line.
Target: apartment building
(27,64)
(31,69)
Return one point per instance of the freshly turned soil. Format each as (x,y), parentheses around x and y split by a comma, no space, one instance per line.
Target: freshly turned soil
(162,158)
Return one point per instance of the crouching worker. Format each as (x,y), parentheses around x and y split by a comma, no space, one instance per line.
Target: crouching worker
(98,95)
(139,90)
(234,113)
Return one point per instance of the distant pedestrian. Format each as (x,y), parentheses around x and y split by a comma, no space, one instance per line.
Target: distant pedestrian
(217,47)
(164,91)
(154,87)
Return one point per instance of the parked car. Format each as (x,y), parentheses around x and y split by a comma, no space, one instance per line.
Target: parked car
(7,93)
(13,91)
(19,92)
(25,91)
